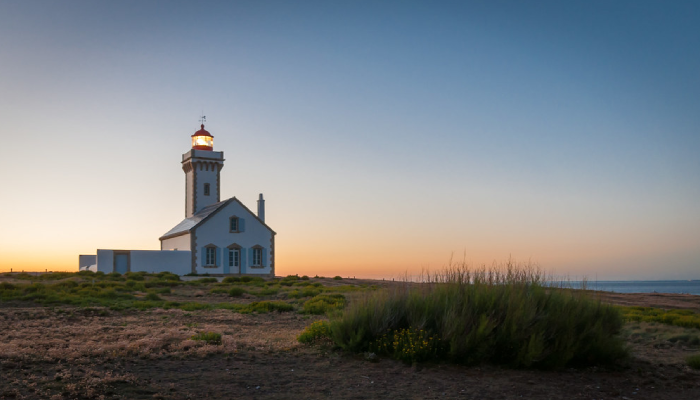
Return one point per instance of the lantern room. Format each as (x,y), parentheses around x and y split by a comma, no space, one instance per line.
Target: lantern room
(202,140)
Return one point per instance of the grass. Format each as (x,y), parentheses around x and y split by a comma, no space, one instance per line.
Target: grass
(324,303)
(317,330)
(682,318)
(236,292)
(503,316)
(209,337)
(142,291)
(694,361)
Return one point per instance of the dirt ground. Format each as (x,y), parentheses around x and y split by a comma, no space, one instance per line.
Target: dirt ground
(71,353)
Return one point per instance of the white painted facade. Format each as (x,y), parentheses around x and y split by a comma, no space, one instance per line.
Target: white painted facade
(252,234)
(181,242)
(153,261)
(206,241)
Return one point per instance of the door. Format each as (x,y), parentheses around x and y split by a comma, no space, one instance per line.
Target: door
(233,262)
(121,263)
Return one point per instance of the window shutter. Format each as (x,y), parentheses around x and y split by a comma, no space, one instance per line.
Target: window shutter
(218,257)
(243,260)
(264,257)
(241,224)
(252,258)
(203,260)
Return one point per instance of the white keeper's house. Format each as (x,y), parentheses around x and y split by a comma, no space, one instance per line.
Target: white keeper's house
(216,237)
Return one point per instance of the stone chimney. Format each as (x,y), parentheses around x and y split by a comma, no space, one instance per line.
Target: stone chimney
(261,208)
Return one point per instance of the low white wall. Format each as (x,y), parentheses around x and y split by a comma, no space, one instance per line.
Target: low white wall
(154,261)
(105,261)
(87,262)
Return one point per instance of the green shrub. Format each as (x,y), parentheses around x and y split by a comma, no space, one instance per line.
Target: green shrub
(508,317)
(168,276)
(306,292)
(165,290)
(338,277)
(209,337)
(267,292)
(315,331)
(693,361)
(252,280)
(194,306)
(153,297)
(236,292)
(134,276)
(408,345)
(324,303)
(231,279)
(205,280)
(218,291)
(304,278)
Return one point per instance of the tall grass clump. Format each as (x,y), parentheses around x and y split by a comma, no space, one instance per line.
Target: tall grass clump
(506,315)
(209,337)
(693,361)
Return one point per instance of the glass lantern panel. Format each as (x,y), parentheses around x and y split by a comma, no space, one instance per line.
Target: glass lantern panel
(203,141)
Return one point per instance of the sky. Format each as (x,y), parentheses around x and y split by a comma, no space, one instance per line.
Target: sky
(387,137)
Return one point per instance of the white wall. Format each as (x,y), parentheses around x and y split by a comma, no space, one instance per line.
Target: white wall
(154,261)
(178,242)
(87,262)
(105,261)
(216,231)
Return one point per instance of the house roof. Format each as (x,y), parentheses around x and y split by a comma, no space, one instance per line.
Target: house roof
(188,224)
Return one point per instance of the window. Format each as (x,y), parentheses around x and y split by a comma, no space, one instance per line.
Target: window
(257,256)
(206,189)
(233,224)
(234,258)
(236,224)
(210,256)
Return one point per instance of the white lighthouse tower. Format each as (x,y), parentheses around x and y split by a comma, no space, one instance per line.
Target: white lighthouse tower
(202,166)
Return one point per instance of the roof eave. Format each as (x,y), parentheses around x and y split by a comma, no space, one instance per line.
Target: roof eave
(172,235)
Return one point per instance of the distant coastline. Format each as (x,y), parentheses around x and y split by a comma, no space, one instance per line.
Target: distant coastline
(660,286)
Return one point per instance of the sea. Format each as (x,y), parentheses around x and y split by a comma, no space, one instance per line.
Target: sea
(681,287)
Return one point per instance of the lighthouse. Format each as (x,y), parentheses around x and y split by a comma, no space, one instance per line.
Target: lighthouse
(202,166)
(216,237)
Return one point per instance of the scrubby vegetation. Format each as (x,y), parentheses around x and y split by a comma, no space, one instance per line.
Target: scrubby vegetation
(694,361)
(209,337)
(144,291)
(505,316)
(322,304)
(317,330)
(682,318)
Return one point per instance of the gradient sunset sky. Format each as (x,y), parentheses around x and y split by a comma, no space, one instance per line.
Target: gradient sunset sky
(386,136)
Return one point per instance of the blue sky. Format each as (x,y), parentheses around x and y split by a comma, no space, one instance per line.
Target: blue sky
(386,136)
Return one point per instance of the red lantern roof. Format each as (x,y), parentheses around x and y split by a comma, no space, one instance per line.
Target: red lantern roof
(202,132)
